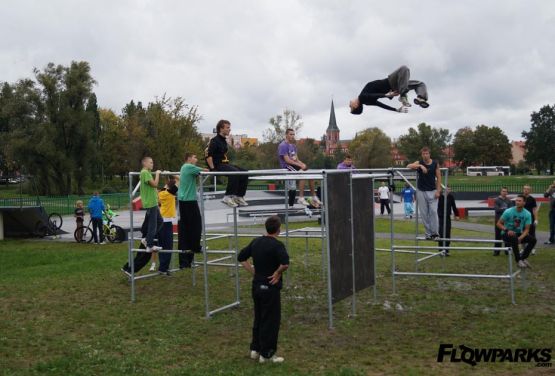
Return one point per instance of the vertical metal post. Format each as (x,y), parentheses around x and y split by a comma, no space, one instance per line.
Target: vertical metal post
(351,219)
(323,233)
(446,212)
(416,212)
(204,252)
(330,304)
(285,194)
(512,279)
(131,238)
(374,236)
(306,248)
(237,292)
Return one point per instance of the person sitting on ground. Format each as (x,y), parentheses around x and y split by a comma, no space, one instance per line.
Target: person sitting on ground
(397,83)
(515,227)
(270,260)
(501,203)
(288,159)
(216,158)
(347,163)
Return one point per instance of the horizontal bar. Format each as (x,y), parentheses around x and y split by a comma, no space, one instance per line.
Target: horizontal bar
(442,253)
(516,273)
(373,176)
(235,304)
(220,259)
(497,276)
(460,248)
(462,240)
(288,177)
(161,251)
(150,275)
(223,264)
(404,251)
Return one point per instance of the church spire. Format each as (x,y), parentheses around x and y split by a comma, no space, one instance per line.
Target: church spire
(333,123)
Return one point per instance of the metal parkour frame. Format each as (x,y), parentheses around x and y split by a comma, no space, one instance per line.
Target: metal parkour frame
(282,175)
(428,252)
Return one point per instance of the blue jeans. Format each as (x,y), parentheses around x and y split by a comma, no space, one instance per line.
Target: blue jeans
(408,209)
(154,224)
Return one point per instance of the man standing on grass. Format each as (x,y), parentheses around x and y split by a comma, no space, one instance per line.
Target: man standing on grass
(515,227)
(502,203)
(270,260)
(531,205)
(428,191)
(96,208)
(407,197)
(383,191)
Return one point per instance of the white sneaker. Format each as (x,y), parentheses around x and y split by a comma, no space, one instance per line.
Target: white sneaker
(521,264)
(152,267)
(302,201)
(254,354)
(240,201)
(229,201)
(143,242)
(316,200)
(527,263)
(102,243)
(154,248)
(533,251)
(404,100)
(273,359)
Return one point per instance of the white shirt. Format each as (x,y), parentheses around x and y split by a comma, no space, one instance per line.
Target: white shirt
(384,192)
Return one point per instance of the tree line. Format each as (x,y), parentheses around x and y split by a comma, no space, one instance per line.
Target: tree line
(52,129)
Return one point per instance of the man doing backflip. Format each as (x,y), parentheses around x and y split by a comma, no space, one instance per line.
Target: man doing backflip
(397,83)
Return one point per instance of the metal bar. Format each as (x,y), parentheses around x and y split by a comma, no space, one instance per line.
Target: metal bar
(130,263)
(221,264)
(236,248)
(403,251)
(391,239)
(441,253)
(235,304)
(353,297)
(512,282)
(475,240)
(330,304)
(460,248)
(205,254)
(142,250)
(220,259)
(374,288)
(286,198)
(496,276)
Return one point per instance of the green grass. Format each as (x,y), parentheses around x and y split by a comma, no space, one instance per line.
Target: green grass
(65,311)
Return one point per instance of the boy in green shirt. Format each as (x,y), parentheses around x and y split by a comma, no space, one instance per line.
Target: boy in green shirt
(149,200)
(190,226)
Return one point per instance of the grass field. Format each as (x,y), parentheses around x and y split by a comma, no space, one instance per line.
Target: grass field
(66,311)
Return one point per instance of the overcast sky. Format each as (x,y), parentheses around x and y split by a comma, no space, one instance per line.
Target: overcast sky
(485,62)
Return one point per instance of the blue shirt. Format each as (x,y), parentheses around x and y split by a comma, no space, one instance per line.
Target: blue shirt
(408,194)
(515,220)
(96,207)
(288,149)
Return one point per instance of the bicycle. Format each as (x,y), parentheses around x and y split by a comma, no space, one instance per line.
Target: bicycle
(55,222)
(114,233)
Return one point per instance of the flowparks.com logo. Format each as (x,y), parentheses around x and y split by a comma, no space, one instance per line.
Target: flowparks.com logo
(473,356)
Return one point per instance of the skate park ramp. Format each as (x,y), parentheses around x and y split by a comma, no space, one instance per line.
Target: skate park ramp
(27,221)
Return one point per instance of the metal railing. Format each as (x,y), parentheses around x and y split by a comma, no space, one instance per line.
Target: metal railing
(65,205)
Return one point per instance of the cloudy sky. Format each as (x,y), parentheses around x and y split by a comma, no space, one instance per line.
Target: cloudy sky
(485,62)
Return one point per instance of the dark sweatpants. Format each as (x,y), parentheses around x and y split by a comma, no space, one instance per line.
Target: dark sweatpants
(141,258)
(267,317)
(512,241)
(236,184)
(445,243)
(165,240)
(97,229)
(190,228)
(384,203)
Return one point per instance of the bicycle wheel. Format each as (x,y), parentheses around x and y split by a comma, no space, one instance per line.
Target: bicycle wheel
(110,233)
(55,221)
(79,234)
(87,236)
(120,234)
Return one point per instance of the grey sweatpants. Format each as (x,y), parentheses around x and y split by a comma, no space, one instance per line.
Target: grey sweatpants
(400,81)
(427,206)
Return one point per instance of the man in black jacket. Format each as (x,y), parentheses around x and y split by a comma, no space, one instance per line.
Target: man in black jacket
(451,207)
(397,83)
(217,161)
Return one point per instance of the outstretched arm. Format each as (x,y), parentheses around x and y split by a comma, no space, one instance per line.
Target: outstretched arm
(386,107)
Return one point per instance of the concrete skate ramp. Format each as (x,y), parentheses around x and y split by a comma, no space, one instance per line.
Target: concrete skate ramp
(27,221)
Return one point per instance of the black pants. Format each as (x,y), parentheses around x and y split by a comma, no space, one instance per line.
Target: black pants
(141,258)
(384,203)
(165,239)
(267,317)
(444,243)
(97,227)
(236,184)
(498,235)
(512,241)
(190,228)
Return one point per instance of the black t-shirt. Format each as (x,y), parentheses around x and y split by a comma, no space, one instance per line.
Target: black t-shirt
(530,204)
(79,214)
(373,91)
(267,254)
(217,149)
(427,181)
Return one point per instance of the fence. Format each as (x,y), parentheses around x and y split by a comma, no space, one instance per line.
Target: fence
(537,187)
(65,205)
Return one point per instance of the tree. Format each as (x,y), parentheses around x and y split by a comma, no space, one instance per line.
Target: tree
(492,146)
(371,148)
(540,139)
(436,139)
(464,147)
(280,123)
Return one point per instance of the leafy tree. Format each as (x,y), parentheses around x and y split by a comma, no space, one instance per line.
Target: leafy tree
(371,148)
(464,147)
(492,146)
(436,139)
(540,139)
(280,123)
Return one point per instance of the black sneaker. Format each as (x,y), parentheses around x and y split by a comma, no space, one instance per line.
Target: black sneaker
(428,237)
(421,102)
(435,236)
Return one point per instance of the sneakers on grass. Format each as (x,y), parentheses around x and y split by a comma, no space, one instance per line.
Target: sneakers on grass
(302,201)
(273,359)
(254,354)
(521,264)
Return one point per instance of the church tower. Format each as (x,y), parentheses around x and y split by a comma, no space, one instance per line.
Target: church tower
(332,133)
